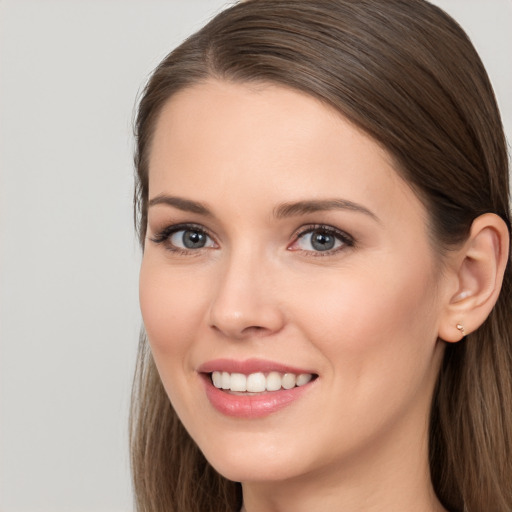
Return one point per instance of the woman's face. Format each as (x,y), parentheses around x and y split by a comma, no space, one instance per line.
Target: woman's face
(282,241)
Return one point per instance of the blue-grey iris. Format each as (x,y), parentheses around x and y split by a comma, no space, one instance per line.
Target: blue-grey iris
(322,241)
(194,239)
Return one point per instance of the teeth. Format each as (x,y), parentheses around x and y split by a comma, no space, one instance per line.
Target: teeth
(273,381)
(238,382)
(303,378)
(217,379)
(258,382)
(289,381)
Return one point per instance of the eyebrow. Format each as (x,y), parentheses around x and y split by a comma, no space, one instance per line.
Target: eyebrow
(313,206)
(282,211)
(181,203)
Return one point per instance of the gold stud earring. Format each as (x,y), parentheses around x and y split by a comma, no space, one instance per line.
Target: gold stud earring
(460,327)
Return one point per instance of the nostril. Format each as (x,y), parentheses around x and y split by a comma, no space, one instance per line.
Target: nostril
(255,330)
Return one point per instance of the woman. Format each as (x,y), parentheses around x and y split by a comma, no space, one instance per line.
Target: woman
(322,200)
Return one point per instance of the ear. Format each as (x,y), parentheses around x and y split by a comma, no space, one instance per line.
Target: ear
(478,268)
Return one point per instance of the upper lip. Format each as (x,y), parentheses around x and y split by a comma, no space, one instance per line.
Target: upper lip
(249,366)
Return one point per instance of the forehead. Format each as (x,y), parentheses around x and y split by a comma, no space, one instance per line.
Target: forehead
(268,140)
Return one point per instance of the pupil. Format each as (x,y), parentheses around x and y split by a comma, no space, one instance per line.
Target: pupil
(194,239)
(322,241)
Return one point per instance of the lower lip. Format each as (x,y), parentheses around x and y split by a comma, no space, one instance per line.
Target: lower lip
(252,406)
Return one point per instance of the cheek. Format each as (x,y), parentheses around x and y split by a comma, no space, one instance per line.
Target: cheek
(377,330)
(170,306)
(373,310)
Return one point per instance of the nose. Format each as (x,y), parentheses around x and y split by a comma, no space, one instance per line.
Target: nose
(245,303)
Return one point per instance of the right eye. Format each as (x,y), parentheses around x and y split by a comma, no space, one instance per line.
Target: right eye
(184,238)
(190,239)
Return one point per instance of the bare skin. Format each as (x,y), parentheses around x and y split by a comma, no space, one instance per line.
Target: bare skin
(363,312)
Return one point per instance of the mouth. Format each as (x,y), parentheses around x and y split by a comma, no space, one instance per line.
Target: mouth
(254,388)
(259,382)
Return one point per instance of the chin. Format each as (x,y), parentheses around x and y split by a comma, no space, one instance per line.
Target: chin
(249,461)
(252,471)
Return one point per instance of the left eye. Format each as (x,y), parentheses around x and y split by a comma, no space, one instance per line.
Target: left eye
(320,240)
(190,239)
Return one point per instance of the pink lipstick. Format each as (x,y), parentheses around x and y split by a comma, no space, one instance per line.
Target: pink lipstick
(253,388)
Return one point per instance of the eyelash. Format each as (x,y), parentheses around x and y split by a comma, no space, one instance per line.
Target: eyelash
(163,237)
(346,240)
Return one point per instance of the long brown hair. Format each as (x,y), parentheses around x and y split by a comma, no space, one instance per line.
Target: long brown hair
(407,74)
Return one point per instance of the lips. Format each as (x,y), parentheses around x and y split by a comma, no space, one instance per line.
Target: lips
(253,388)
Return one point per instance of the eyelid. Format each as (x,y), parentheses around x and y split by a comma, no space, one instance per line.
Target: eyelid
(346,239)
(163,236)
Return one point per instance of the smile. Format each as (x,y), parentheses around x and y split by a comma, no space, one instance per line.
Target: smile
(258,382)
(254,388)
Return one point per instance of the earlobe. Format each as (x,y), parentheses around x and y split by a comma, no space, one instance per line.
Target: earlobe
(479,266)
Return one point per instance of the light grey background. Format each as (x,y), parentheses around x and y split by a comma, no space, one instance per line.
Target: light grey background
(69,319)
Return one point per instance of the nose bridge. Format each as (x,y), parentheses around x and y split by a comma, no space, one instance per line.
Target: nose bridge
(244,303)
